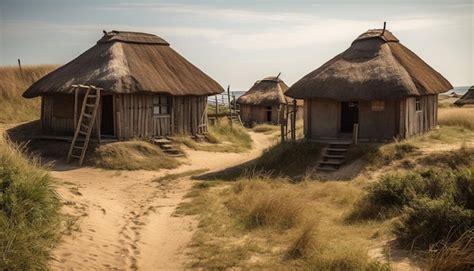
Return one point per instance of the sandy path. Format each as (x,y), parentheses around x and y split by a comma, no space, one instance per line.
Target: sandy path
(126,221)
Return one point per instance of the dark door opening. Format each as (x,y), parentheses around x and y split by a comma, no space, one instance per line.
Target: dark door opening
(107,119)
(349,116)
(269,114)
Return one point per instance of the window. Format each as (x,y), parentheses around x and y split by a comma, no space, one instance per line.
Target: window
(160,105)
(378,105)
(418,104)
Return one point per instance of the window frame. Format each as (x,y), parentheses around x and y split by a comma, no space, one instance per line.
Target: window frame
(418,107)
(161,105)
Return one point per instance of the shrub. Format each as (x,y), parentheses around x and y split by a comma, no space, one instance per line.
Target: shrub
(28,211)
(427,221)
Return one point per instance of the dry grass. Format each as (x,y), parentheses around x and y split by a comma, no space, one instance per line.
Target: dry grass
(222,137)
(268,223)
(458,255)
(13,107)
(461,117)
(132,155)
(266,128)
(29,211)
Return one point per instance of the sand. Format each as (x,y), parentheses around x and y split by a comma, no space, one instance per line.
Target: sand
(124,220)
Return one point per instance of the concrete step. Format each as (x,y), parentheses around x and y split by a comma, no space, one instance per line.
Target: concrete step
(337,149)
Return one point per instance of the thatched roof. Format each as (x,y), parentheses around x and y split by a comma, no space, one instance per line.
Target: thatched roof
(266,92)
(467,98)
(376,67)
(129,62)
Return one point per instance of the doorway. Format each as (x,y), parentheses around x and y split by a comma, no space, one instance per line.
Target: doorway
(349,116)
(269,113)
(107,116)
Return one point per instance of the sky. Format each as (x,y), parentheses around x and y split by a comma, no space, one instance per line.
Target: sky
(239,42)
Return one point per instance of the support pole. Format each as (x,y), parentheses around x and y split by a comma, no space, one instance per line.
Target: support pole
(355,133)
(293,121)
(282,122)
(217,110)
(76,95)
(230,107)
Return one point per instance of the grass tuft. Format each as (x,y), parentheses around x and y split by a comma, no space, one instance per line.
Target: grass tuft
(132,155)
(29,207)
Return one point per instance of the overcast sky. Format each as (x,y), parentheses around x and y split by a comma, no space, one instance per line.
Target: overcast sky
(239,42)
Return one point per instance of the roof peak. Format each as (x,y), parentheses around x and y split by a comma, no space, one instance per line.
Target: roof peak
(132,37)
(382,34)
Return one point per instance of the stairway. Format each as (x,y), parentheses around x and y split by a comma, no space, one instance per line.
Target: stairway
(85,125)
(167,146)
(334,156)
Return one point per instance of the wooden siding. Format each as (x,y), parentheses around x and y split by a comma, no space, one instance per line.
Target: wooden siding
(414,122)
(133,116)
(258,114)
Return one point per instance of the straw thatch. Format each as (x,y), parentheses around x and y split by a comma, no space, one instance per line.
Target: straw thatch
(467,98)
(129,62)
(376,67)
(269,91)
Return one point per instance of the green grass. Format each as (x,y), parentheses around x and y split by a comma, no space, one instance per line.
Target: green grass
(13,107)
(222,137)
(434,204)
(29,206)
(132,155)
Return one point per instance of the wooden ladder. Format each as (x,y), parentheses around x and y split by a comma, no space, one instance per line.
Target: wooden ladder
(86,122)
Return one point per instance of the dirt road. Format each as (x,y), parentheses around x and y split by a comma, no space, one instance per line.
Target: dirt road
(126,221)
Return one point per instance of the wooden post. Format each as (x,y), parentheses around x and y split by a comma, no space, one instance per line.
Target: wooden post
(76,94)
(282,123)
(355,134)
(293,121)
(230,107)
(217,109)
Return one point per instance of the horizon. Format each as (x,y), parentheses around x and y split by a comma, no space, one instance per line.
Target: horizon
(240,42)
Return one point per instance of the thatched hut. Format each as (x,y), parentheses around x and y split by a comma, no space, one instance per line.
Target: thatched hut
(467,98)
(265,101)
(148,89)
(378,84)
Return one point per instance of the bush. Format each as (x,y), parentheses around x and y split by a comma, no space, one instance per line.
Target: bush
(28,211)
(427,222)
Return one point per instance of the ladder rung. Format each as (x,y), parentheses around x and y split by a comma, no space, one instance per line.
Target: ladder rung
(75,156)
(82,132)
(87,115)
(90,105)
(85,126)
(77,147)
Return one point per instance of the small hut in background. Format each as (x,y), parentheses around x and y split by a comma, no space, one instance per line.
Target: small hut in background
(467,98)
(265,102)
(377,85)
(148,89)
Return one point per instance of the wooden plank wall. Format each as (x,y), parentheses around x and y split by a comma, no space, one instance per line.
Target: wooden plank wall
(414,122)
(134,116)
(189,114)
